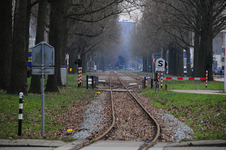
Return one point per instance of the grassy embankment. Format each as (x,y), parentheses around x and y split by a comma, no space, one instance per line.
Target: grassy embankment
(55,104)
(192,108)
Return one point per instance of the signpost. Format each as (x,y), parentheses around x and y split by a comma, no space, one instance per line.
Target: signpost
(67,58)
(43,62)
(160,65)
(90,65)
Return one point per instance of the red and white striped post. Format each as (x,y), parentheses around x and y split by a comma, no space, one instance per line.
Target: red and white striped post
(79,76)
(158,80)
(161,79)
(206,77)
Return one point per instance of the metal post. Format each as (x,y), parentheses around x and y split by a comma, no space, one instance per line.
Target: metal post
(206,77)
(87,81)
(196,85)
(158,82)
(96,81)
(224,31)
(67,66)
(43,95)
(20,113)
(161,79)
(92,82)
(173,84)
(225,62)
(79,70)
(79,76)
(153,71)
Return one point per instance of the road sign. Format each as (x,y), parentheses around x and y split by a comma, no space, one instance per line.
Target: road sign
(48,52)
(47,71)
(160,65)
(90,65)
(43,61)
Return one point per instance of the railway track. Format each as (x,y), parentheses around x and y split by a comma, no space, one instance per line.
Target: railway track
(130,120)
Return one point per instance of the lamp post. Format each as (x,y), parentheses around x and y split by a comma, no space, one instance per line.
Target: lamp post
(224,31)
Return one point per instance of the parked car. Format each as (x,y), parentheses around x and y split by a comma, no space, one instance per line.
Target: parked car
(219,72)
(222,73)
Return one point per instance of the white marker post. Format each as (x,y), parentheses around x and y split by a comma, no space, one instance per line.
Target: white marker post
(224,31)
(225,62)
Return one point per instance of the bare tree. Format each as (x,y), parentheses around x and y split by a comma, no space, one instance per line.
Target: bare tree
(5,43)
(35,86)
(19,56)
(205,19)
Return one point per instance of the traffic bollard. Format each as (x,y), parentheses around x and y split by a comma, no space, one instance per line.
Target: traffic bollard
(20,113)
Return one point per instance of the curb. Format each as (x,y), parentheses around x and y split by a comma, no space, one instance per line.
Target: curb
(220,143)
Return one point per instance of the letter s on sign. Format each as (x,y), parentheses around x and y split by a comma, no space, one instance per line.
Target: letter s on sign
(160,63)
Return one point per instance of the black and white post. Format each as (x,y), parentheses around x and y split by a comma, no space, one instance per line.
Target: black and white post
(20,113)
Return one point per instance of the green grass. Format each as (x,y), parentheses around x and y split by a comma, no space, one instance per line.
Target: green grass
(192,108)
(189,84)
(55,104)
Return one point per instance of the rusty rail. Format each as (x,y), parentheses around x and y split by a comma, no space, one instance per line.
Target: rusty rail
(158,128)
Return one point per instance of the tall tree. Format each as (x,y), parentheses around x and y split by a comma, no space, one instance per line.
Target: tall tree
(5,43)
(205,19)
(19,57)
(35,86)
(56,34)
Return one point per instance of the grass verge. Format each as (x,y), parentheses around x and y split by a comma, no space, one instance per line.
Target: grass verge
(192,109)
(56,104)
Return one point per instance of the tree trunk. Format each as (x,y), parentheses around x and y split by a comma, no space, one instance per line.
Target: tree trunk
(5,43)
(207,47)
(84,62)
(102,63)
(144,64)
(197,52)
(19,57)
(41,23)
(188,61)
(179,59)
(56,34)
(28,18)
(171,59)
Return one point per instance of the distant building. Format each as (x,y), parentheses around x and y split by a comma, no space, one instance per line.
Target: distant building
(126,29)
(31,43)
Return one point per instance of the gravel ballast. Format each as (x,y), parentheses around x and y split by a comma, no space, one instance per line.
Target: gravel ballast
(93,117)
(171,128)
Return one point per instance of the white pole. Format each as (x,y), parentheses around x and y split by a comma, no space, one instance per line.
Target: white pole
(43,94)
(224,63)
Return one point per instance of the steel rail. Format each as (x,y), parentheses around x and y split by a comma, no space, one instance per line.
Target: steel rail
(113,117)
(158,128)
(113,121)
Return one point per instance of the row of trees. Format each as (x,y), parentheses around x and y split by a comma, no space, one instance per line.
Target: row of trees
(175,25)
(89,27)
(76,25)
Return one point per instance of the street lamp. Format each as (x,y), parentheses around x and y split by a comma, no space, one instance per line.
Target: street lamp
(224,31)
